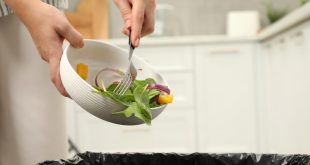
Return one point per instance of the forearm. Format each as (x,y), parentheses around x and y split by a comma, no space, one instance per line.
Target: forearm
(48,28)
(22,7)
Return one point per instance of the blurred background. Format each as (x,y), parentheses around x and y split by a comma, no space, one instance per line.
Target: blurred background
(206,17)
(239,70)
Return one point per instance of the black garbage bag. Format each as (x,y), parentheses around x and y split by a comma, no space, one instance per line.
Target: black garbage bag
(89,158)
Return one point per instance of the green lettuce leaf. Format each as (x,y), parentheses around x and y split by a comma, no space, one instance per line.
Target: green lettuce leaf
(122,99)
(138,99)
(153,92)
(134,109)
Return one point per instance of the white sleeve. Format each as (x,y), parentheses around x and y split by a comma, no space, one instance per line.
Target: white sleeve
(60,4)
(4,10)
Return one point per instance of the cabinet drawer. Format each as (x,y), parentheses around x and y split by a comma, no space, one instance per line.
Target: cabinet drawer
(226,98)
(182,88)
(167,58)
(170,132)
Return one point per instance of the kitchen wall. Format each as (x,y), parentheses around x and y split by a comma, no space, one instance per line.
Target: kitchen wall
(204,16)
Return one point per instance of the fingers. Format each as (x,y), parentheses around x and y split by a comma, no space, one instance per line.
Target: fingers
(125,9)
(149,19)
(53,52)
(55,76)
(67,31)
(138,12)
(138,17)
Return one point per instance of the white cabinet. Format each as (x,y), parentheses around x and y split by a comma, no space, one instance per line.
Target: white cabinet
(226,98)
(168,58)
(214,108)
(286,74)
(230,96)
(170,132)
(307,36)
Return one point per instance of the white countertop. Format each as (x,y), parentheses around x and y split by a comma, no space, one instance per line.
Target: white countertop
(294,18)
(177,40)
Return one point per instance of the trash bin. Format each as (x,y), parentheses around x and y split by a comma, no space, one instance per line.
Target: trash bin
(90,158)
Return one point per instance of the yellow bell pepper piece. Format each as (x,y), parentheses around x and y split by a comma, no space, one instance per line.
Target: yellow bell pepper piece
(82,70)
(165,99)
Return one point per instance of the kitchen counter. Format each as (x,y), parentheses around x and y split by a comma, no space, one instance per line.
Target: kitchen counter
(294,18)
(186,40)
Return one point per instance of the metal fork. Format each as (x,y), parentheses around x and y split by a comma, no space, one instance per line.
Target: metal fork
(130,74)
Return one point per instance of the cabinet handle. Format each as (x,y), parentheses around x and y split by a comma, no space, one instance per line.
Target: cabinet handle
(299,38)
(297,34)
(268,46)
(224,51)
(281,40)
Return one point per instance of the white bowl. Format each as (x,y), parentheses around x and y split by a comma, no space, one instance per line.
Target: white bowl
(98,55)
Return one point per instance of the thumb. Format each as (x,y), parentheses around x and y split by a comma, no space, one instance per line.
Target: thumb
(72,35)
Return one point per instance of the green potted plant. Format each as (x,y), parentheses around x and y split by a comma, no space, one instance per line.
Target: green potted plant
(274,14)
(302,2)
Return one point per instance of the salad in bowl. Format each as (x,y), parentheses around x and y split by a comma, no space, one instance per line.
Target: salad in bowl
(90,74)
(141,97)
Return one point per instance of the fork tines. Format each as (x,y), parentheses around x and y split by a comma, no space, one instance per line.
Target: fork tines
(124,85)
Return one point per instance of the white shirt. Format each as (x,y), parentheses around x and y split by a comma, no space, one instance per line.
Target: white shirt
(61,4)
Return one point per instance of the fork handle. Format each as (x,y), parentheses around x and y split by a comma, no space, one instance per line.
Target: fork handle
(129,41)
(131,47)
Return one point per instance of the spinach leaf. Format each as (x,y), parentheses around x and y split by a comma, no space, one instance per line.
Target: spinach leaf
(112,87)
(154,104)
(142,100)
(144,82)
(134,109)
(122,99)
(141,97)
(137,99)
(153,92)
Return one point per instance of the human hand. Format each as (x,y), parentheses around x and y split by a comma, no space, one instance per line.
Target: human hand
(138,16)
(49,27)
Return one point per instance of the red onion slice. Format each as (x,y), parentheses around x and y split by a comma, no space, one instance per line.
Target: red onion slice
(159,87)
(109,76)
